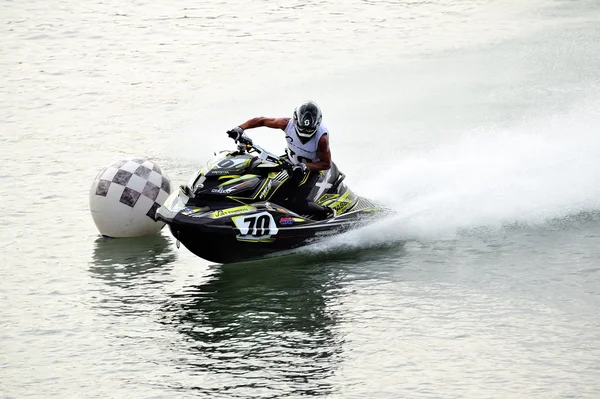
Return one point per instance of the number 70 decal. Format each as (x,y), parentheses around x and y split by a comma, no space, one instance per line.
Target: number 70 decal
(257,227)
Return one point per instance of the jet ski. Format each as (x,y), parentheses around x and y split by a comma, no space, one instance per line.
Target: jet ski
(234,208)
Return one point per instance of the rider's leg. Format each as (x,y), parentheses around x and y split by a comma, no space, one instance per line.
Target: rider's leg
(299,202)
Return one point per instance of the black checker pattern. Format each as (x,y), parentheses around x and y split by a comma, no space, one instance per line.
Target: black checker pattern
(102,188)
(143,171)
(122,177)
(120,163)
(152,212)
(151,191)
(130,196)
(165,185)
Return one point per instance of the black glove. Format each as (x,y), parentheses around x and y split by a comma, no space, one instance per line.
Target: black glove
(286,165)
(243,139)
(298,171)
(301,168)
(235,133)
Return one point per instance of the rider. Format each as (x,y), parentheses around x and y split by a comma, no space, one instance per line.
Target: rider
(308,150)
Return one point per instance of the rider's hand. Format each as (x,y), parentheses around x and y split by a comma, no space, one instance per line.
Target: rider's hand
(235,133)
(286,164)
(301,168)
(243,139)
(298,171)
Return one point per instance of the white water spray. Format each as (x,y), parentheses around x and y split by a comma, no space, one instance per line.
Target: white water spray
(528,174)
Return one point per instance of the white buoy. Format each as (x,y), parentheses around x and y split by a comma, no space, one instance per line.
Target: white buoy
(125,195)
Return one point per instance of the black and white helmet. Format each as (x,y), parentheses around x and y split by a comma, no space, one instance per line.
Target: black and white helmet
(307,118)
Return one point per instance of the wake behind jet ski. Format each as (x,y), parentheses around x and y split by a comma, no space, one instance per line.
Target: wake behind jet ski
(236,207)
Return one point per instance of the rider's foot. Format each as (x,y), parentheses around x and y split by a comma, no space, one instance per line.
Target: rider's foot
(331,213)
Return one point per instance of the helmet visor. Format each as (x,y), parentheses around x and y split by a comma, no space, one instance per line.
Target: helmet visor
(306,130)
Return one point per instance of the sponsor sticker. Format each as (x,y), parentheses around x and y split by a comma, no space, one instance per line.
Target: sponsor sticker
(286,221)
(221,190)
(266,190)
(231,211)
(191,211)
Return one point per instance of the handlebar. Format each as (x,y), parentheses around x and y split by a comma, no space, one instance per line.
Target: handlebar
(245,141)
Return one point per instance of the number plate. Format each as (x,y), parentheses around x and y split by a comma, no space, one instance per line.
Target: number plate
(256,227)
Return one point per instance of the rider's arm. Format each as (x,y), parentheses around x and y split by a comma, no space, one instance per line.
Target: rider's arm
(275,123)
(324,155)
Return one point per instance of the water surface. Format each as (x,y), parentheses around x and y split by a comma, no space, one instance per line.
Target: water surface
(475,120)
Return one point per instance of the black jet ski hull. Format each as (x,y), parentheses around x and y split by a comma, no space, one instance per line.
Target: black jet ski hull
(236,234)
(233,209)
(222,246)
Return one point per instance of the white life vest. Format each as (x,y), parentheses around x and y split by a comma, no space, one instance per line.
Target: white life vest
(298,151)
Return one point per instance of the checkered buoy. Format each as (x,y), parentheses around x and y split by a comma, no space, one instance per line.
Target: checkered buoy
(125,195)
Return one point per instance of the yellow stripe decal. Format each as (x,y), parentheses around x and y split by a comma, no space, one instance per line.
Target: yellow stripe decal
(305,178)
(228,177)
(237,179)
(341,204)
(277,188)
(231,211)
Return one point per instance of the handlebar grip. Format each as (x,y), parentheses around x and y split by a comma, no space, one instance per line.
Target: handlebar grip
(245,140)
(285,164)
